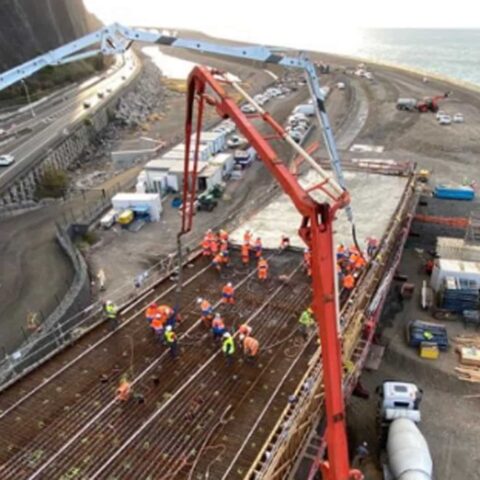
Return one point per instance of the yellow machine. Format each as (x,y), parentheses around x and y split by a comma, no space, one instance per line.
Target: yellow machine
(126,217)
(423,175)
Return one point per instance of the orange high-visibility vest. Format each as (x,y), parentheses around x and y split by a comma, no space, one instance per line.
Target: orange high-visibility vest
(157,323)
(228,290)
(151,311)
(123,391)
(165,311)
(245,250)
(245,329)
(250,346)
(349,282)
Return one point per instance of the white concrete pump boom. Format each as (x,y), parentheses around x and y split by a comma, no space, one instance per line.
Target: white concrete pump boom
(116,39)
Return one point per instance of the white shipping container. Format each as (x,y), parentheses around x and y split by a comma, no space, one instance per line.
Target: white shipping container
(179,152)
(456,269)
(225,161)
(124,201)
(215,140)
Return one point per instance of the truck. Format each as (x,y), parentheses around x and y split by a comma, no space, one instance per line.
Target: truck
(428,104)
(404,452)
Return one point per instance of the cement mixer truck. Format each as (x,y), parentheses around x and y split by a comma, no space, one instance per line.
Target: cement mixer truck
(405,454)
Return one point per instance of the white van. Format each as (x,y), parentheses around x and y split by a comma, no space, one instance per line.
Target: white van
(108,220)
(305,109)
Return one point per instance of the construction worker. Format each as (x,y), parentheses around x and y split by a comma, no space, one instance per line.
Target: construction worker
(245,253)
(223,246)
(244,330)
(360,262)
(341,250)
(247,237)
(228,293)
(228,347)
(306,321)
(170,338)
(206,252)
(348,281)
(223,235)
(168,315)
(262,268)
(225,258)
(111,310)
(158,325)
(258,247)
(207,311)
(214,245)
(284,242)
(217,262)
(150,312)
(250,348)
(218,327)
(372,245)
(124,389)
(307,261)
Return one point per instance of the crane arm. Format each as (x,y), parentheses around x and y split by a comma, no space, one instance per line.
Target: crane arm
(116,39)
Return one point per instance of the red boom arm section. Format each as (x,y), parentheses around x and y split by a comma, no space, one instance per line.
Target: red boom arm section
(315,230)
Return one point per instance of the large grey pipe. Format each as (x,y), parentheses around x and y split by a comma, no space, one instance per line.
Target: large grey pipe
(408,454)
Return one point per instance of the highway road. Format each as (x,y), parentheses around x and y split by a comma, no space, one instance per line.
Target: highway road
(54,119)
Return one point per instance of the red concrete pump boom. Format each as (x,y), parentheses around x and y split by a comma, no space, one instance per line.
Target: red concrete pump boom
(315,230)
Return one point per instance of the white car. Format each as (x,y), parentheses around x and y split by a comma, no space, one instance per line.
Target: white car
(6,160)
(235,141)
(445,120)
(247,108)
(439,114)
(296,135)
(261,99)
(458,118)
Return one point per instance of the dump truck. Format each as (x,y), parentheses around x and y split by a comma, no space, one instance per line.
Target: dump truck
(404,451)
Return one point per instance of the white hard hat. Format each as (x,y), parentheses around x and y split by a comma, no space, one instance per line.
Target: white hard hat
(306,250)
(229,284)
(169,328)
(226,335)
(109,302)
(199,300)
(241,337)
(217,315)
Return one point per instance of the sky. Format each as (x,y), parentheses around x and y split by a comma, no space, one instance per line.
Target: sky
(315,24)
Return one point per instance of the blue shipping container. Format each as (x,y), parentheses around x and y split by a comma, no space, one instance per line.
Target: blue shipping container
(454,193)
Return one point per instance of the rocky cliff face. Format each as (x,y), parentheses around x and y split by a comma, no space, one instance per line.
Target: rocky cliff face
(31,27)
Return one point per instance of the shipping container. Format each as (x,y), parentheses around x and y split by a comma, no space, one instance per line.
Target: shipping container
(454,192)
(124,201)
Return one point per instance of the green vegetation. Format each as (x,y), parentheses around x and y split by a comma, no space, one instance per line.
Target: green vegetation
(53,184)
(51,78)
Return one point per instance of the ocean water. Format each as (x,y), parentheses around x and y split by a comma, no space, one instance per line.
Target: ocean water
(451,52)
